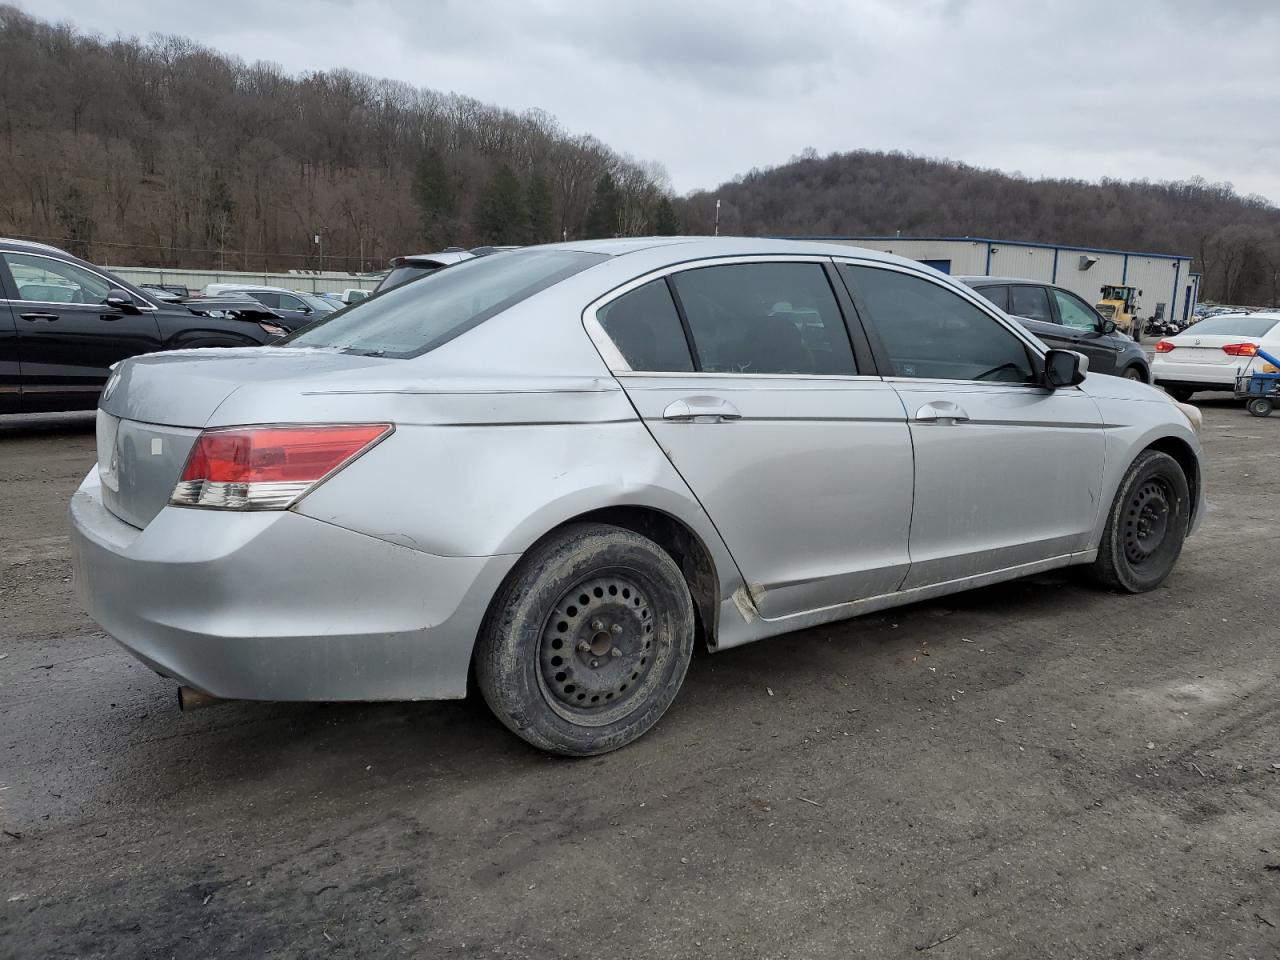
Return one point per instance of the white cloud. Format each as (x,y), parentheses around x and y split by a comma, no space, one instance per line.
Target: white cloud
(712,88)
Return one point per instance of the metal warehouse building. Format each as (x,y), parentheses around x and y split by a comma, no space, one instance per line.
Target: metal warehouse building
(1168,286)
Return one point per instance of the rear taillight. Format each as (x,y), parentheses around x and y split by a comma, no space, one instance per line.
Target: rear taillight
(1164,346)
(1241,349)
(268,468)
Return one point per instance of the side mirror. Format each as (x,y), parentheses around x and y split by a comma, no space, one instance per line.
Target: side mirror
(1108,326)
(1064,368)
(120,300)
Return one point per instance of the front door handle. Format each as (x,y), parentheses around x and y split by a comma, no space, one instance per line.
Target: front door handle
(941,411)
(33,317)
(701,410)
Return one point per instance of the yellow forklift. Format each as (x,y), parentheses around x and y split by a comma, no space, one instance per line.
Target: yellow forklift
(1120,305)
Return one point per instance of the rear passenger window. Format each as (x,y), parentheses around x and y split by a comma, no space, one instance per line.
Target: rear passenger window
(1032,303)
(645,327)
(998,295)
(765,318)
(931,333)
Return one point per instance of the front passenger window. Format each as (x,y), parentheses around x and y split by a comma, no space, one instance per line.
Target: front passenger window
(46,280)
(1074,313)
(932,333)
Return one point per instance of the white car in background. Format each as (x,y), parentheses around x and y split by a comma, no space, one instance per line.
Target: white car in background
(1210,354)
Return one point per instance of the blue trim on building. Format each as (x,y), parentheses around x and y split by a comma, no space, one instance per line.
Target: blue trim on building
(1124,274)
(1054,278)
(1008,243)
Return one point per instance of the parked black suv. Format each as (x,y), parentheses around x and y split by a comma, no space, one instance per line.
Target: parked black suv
(64,322)
(1064,321)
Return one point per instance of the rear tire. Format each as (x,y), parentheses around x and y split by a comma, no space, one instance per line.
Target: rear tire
(587,642)
(1146,525)
(1134,372)
(1261,406)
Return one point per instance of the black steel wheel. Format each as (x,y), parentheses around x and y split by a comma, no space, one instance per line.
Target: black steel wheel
(1146,525)
(1261,406)
(588,640)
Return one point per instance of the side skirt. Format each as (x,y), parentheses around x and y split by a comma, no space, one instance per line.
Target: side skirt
(740,621)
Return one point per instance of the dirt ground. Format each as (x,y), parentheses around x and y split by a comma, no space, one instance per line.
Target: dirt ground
(1033,770)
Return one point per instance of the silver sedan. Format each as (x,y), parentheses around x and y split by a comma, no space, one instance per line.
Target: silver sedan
(563,466)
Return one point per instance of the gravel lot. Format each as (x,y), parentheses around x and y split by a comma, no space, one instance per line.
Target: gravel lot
(1033,770)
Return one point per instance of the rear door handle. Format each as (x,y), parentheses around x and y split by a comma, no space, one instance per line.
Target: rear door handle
(701,410)
(941,411)
(33,317)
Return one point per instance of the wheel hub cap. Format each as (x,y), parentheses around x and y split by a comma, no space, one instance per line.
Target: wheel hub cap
(597,646)
(1146,521)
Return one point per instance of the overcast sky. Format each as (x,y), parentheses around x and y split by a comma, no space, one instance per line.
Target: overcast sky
(712,88)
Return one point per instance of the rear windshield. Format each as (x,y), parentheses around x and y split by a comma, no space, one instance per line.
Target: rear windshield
(1233,326)
(405,273)
(417,317)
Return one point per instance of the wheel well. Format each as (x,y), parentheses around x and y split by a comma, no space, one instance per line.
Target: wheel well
(684,546)
(1182,452)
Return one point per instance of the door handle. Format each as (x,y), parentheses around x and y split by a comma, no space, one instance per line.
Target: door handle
(701,410)
(33,317)
(941,411)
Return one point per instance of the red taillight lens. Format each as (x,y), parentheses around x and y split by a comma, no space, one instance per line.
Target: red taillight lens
(1241,349)
(1163,346)
(268,468)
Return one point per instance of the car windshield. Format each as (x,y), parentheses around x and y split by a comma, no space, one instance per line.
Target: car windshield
(1237,325)
(415,318)
(319,303)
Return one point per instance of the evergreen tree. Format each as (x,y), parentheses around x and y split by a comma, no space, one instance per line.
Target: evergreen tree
(538,201)
(602,216)
(501,216)
(433,192)
(665,221)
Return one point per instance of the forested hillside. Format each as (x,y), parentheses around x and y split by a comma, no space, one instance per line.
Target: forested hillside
(1235,239)
(164,152)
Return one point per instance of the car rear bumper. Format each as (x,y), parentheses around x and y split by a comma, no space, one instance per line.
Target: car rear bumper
(278,606)
(1204,376)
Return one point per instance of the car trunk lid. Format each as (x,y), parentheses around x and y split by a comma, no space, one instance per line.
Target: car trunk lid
(1206,348)
(153,409)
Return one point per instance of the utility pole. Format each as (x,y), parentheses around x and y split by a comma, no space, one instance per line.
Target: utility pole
(320,245)
(717,216)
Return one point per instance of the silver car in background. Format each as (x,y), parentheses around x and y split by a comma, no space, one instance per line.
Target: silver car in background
(564,465)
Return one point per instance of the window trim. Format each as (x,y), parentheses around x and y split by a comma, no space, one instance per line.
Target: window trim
(112,284)
(618,365)
(1034,349)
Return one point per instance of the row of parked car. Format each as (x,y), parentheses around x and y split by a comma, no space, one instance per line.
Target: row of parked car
(73,320)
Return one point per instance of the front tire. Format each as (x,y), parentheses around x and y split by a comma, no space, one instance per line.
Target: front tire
(587,642)
(1181,394)
(1261,406)
(1146,526)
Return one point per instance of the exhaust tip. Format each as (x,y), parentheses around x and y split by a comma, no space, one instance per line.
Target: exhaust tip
(190,699)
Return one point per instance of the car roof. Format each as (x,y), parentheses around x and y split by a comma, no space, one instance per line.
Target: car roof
(974,281)
(263,288)
(693,248)
(442,257)
(32,245)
